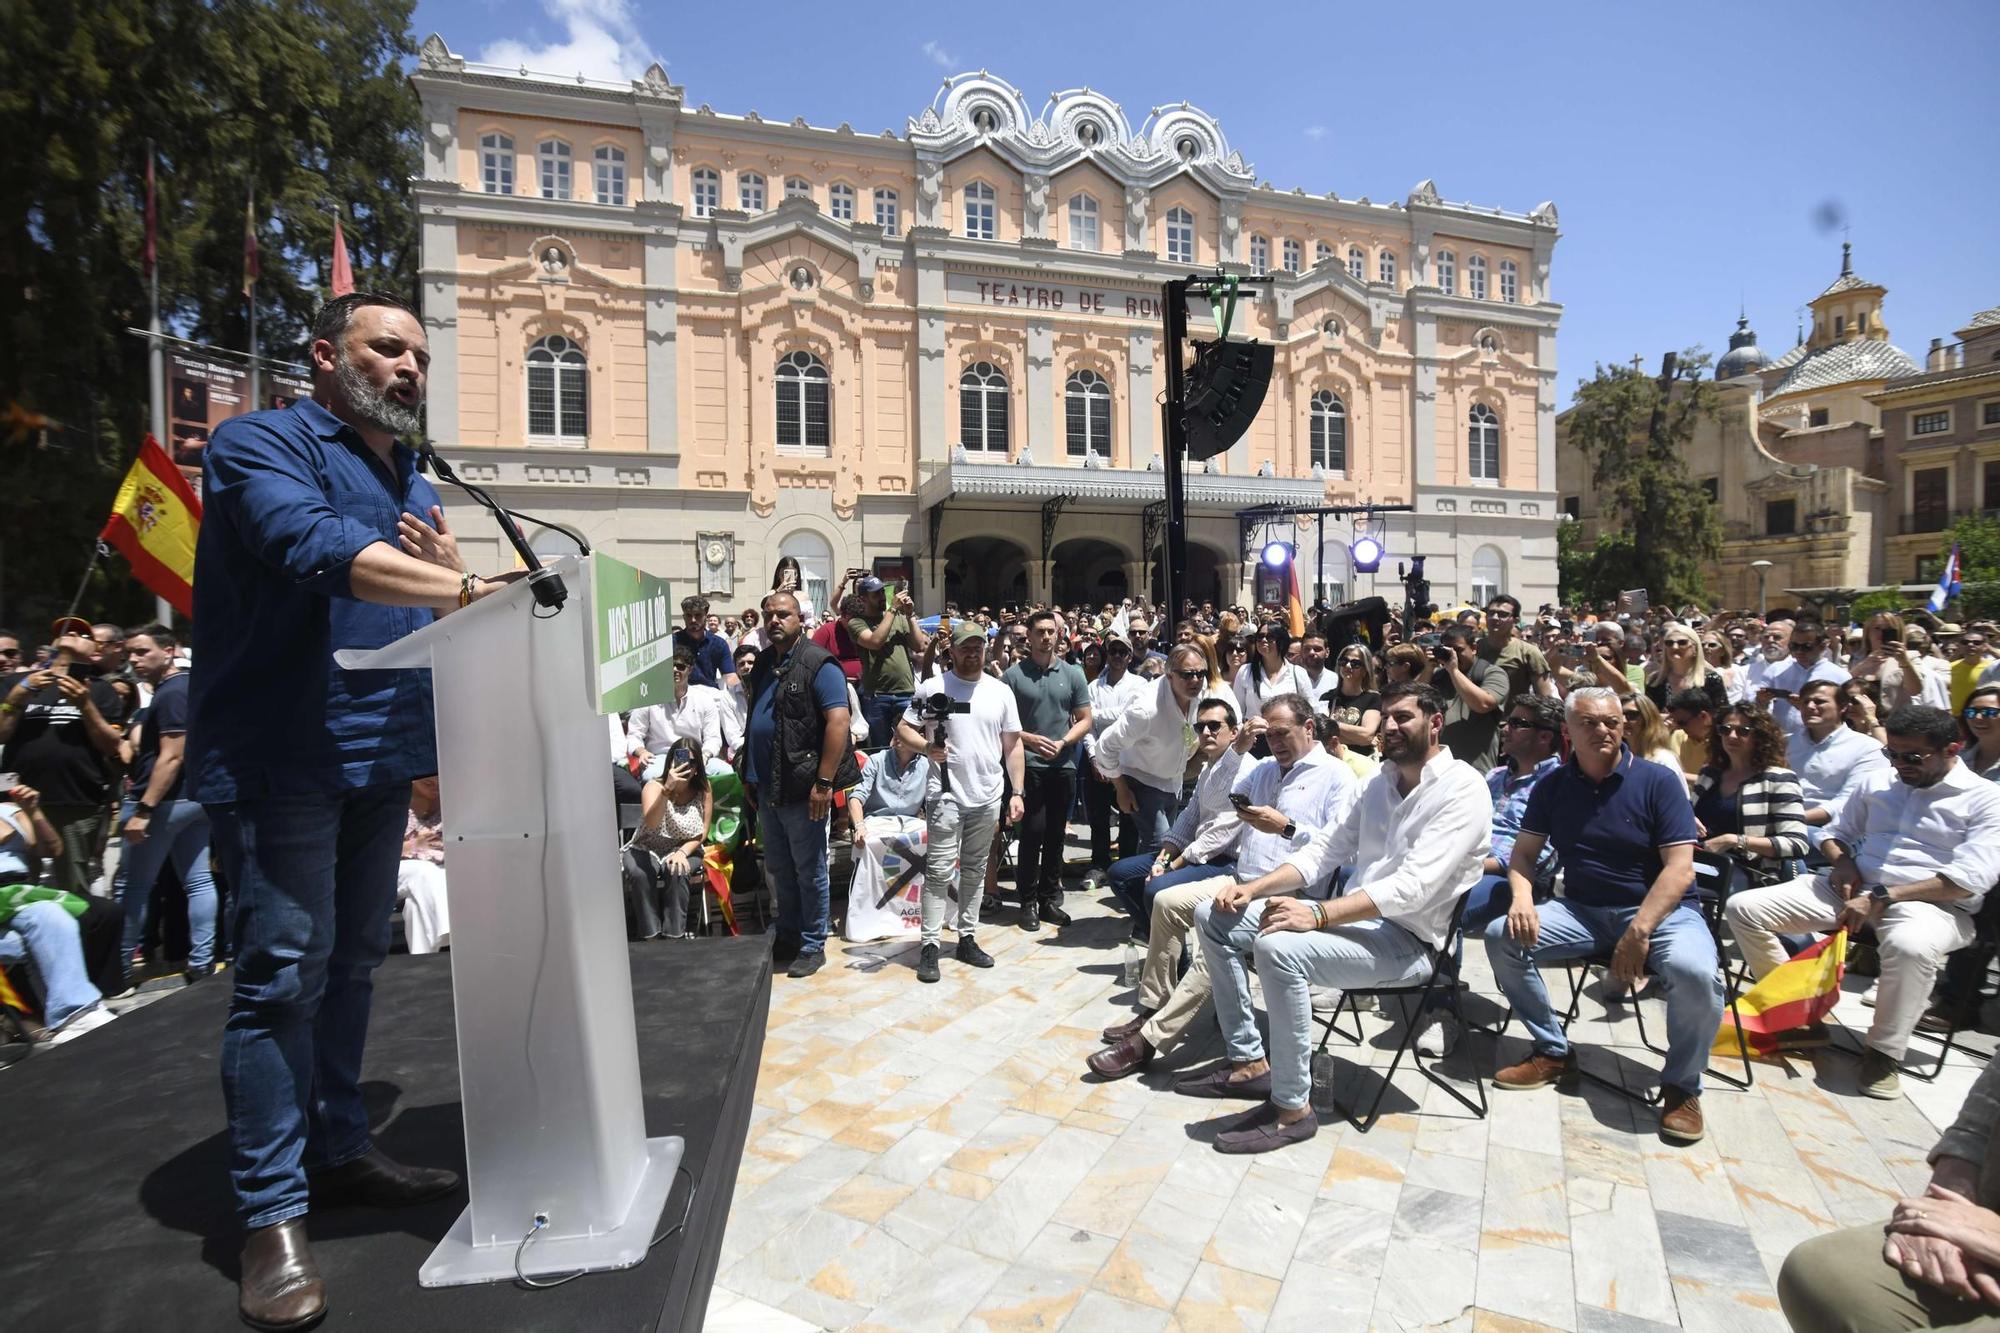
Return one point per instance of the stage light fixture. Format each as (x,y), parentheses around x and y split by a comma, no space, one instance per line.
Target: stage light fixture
(1367,553)
(1277,555)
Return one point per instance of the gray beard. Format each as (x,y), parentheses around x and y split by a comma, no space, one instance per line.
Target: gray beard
(369,403)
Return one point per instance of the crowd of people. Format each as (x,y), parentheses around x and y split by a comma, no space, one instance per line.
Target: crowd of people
(1339,809)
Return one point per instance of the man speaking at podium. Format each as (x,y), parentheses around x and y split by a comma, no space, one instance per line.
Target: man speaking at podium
(317,534)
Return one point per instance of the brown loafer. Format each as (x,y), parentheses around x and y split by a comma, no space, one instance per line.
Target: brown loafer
(1120,1031)
(1680,1117)
(1126,1057)
(1218,1084)
(280,1287)
(376,1180)
(1538,1071)
(1261,1131)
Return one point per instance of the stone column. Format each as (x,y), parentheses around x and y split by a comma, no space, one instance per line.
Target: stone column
(663,420)
(1041,393)
(1423,406)
(1142,411)
(439,277)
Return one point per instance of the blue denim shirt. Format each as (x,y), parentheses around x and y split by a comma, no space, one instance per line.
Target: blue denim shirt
(1510,802)
(289,498)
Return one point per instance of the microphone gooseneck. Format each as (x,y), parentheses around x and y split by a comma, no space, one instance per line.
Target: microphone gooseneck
(545,583)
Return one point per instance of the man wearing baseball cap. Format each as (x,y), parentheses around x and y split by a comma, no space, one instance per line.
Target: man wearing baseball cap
(890,641)
(59,726)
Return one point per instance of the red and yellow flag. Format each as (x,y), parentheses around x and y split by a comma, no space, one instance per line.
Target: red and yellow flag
(1797,992)
(718,864)
(153,525)
(1295,607)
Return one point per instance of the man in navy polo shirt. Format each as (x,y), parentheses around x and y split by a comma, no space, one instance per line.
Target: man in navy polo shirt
(317,534)
(1625,834)
(709,650)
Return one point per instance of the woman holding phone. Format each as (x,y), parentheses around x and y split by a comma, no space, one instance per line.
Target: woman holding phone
(664,859)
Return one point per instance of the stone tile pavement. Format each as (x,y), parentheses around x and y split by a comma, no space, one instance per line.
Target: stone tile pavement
(935,1157)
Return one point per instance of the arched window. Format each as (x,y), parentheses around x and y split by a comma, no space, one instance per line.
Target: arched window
(815,559)
(558,391)
(1260,255)
(1322,252)
(1482,441)
(1295,256)
(982,408)
(1510,282)
(750,191)
(1489,575)
(1180,236)
(608,166)
(804,405)
(980,223)
(888,212)
(1087,407)
(1329,431)
(1083,234)
(1475,277)
(1357,263)
(705,188)
(840,202)
(553,154)
(798,187)
(1385,268)
(1447,272)
(496,163)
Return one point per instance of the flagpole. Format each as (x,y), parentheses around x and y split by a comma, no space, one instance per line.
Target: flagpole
(250,289)
(156,356)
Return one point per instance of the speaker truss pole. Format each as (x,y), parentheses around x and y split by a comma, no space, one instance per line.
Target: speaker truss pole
(1173,580)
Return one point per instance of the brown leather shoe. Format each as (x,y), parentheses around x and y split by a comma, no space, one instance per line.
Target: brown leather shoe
(280,1287)
(1127,1057)
(1120,1031)
(1538,1071)
(377,1180)
(1680,1117)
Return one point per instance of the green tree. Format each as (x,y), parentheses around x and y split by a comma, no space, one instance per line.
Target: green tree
(1978,542)
(303,102)
(1663,522)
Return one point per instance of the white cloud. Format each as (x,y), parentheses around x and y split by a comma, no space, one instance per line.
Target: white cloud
(940,57)
(600,40)
(1316,132)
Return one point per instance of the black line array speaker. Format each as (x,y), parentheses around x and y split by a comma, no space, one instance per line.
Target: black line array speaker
(1225,388)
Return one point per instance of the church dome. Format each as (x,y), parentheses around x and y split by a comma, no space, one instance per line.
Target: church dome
(1744,357)
(1846,363)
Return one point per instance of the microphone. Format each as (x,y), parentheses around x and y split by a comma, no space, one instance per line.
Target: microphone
(545,583)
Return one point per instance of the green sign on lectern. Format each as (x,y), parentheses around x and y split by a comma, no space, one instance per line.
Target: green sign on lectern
(635,626)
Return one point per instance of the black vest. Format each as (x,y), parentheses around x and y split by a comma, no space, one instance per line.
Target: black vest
(795,748)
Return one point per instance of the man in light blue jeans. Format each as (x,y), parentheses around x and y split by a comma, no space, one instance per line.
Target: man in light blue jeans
(1415,839)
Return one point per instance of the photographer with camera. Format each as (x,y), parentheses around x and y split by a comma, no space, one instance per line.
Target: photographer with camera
(1473,688)
(969,725)
(890,641)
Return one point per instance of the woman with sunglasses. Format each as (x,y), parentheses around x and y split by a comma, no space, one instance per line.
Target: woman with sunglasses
(1354,702)
(664,859)
(1715,652)
(1747,803)
(1269,674)
(1861,708)
(1889,664)
(1683,668)
(1979,721)
(1647,734)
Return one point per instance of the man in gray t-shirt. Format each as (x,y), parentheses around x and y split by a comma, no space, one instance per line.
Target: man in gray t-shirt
(1054,702)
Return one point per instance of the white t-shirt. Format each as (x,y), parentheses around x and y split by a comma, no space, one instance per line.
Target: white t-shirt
(977,778)
(1287,679)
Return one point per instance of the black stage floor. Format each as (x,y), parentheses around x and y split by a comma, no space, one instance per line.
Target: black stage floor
(118,1213)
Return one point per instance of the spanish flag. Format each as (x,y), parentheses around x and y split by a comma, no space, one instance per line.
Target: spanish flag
(1799,991)
(1295,607)
(153,525)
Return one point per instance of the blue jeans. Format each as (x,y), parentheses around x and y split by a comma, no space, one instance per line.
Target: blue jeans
(315,881)
(795,848)
(1155,814)
(177,832)
(1136,892)
(1682,956)
(880,712)
(47,935)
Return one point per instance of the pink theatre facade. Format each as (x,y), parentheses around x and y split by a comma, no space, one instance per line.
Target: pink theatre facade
(708,340)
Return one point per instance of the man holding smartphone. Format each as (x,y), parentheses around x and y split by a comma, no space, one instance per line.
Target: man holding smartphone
(59,726)
(890,641)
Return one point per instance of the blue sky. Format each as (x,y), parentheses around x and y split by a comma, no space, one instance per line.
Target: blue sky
(1699,154)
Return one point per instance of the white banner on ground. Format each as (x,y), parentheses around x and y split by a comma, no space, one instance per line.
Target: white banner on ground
(885,898)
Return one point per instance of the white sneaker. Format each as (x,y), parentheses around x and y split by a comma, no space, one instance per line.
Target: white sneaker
(1868,996)
(1437,1034)
(82,1021)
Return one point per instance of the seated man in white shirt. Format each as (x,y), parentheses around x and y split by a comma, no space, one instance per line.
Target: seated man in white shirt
(1831,758)
(698,713)
(1281,802)
(1416,840)
(1913,855)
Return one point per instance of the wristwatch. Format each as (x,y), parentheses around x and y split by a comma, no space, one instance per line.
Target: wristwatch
(1878,893)
(1291,829)
(143,810)
(823,783)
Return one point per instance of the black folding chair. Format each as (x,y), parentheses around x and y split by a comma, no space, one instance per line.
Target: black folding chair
(1986,945)
(1407,1043)
(1710,902)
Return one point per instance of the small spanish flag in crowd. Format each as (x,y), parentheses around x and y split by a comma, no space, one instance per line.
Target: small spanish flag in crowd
(1799,991)
(720,864)
(153,525)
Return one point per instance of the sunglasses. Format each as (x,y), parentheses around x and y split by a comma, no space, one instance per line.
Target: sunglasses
(1518,722)
(1193,676)
(1982,714)
(1905,756)
(1212,724)
(1632,715)
(1736,729)
(680,667)
(1352,662)
(1805,647)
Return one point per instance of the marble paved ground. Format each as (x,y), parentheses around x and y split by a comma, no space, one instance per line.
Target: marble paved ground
(933,1157)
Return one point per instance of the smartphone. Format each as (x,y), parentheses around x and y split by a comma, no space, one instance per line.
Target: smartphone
(9,781)
(1239,800)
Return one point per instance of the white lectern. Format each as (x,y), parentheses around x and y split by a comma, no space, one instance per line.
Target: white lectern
(547,1053)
